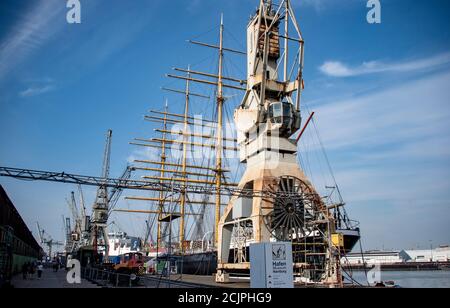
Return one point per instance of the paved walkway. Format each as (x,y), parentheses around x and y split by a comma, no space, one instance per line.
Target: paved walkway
(49,279)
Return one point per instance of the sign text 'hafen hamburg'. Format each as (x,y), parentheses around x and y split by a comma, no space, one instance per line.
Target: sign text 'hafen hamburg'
(271,265)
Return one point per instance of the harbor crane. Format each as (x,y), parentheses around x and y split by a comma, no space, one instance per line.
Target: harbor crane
(67,232)
(75,214)
(46,239)
(75,235)
(100,212)
(81,234)
(82,208)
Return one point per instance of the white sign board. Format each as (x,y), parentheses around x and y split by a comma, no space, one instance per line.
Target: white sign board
(271,265)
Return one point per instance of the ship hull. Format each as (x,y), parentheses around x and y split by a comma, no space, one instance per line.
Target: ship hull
(203,264)
(351,238)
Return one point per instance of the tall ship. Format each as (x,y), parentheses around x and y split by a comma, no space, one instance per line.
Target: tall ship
(226,165)
(229,160)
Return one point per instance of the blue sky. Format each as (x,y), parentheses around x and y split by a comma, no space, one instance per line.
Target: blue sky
(380,93)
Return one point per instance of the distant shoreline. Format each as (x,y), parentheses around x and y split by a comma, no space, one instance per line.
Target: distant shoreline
(412,266)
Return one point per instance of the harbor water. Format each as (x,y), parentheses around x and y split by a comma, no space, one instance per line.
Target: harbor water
(411,279)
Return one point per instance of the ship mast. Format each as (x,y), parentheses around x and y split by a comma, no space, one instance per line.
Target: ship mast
(219,133)
(183,165)
(219,138)
(162,174)
(213,142)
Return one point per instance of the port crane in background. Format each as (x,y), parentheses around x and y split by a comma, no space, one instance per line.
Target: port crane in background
(75,214)
(81,235)
(104,204)
(78,236)
(87,231)
(67,233)
(100,209)
(46,239)
(82,208)
(88,228)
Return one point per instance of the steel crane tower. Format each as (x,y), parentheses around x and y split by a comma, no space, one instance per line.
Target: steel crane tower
(99,234)
(48,241)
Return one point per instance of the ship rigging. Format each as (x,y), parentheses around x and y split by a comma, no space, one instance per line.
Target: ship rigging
(264,197)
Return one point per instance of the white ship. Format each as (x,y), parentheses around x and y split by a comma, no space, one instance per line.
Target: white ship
(120,243)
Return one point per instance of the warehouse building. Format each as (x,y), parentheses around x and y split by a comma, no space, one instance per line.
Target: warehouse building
(440,254)
(17,243)
(436,255)
(373,257)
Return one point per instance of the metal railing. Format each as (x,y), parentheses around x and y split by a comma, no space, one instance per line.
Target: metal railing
(111,279)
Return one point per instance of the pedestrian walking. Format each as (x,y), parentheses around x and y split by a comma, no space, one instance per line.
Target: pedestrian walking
(40,269)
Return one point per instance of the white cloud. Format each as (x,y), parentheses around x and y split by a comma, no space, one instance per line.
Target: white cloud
(144,153)
(30,33)
(410,112)
(38,86)
(391,153)
(339,69)
(34,91)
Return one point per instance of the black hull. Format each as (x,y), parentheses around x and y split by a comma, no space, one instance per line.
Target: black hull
(203,264)
(351,238)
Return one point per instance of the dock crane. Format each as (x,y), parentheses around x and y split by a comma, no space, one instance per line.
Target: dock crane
(47,240)
(75,214)
(75,235)
(73,238)
(86,231)
(100,212)
(82,208)
(68,234)
(86,227)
